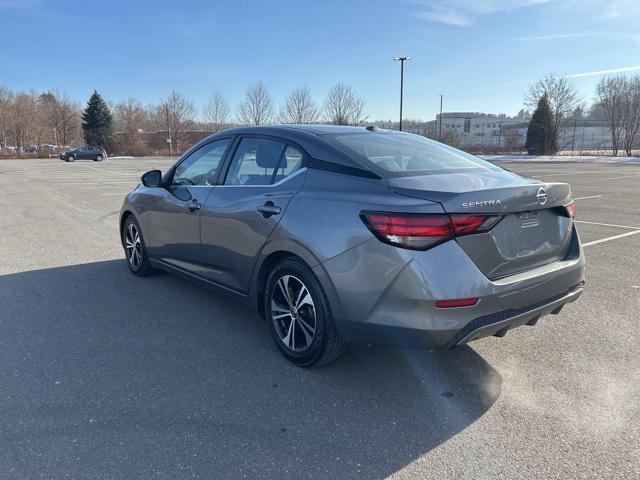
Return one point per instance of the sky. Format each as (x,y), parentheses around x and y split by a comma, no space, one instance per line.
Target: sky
(480,54)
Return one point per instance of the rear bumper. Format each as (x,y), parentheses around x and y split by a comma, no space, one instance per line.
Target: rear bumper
(499,323)
(496,324)
(387,295)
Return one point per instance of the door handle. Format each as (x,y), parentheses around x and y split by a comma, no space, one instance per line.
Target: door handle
(268,209)
(194,206)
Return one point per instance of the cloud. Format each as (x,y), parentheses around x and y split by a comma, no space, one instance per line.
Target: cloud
(604,72)
(465,12)
(557,36)
(598,11)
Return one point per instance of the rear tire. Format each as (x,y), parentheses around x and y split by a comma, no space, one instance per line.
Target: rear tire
(293,295)
(98,158)
(134,248)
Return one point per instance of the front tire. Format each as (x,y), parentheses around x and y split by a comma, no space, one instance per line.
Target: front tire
(299,316)
(71,158)
(134,248)
(98,158)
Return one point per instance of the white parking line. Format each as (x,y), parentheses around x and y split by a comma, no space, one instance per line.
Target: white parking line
(607,224)
(615,237)
(586,198)
(595,172)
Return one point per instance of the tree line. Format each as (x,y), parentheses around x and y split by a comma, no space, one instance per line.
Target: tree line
(558,106)
(52,119)
(29,118)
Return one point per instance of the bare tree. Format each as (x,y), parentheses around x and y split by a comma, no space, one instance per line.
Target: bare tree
(256,108)
(130,120)
(631,117)
(6,103)
(342,106)
(562,95)
(70,120)
(177,116)
(611,98)
(216,112)
(48,119)
(299,107)
(23,116)
(60,117)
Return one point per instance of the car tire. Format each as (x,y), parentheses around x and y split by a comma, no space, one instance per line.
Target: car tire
(135,250)
(98,158)
(313,339)
(71,158)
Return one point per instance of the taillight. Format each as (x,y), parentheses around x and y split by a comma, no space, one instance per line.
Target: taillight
(424,231)
(465,224)
(415,231)
(571,209)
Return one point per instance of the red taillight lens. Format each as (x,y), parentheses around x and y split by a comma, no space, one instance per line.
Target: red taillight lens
(458,302)
(465,224)
(415,231)
(571,209)
(423,231)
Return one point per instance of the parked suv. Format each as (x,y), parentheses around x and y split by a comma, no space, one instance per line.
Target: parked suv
(84,153)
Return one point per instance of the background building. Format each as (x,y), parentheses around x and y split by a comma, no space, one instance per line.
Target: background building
(485,131)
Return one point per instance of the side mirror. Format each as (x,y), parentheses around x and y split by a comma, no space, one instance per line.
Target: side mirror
(152,179)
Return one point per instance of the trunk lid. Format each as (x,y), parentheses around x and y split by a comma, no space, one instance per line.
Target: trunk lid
(534,231)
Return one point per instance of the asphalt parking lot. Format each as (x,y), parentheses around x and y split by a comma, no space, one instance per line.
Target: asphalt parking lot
(106,375)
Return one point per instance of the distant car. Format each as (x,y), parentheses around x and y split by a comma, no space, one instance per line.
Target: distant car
(96,154)
(339,234)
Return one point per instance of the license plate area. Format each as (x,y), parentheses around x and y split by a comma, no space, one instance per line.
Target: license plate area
(529,219)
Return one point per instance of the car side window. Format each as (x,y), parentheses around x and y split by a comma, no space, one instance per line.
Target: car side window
(291,161)
(255,162)
(201,167)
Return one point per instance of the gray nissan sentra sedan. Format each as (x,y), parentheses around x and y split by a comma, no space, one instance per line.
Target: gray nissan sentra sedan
(341,234)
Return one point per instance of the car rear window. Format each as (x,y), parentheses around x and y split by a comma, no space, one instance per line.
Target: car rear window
(402,154)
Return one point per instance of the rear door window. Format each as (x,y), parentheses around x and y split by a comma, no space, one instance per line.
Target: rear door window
(291,162)
(255,162)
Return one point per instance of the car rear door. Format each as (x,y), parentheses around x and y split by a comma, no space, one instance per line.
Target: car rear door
(172,214)
(240,214)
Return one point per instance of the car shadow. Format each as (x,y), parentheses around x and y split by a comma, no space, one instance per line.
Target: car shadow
(108,375)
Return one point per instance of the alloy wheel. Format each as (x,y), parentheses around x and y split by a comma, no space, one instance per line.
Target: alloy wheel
(293,313)
(133,245)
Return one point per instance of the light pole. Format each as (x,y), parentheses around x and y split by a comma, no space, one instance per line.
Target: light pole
(401,60)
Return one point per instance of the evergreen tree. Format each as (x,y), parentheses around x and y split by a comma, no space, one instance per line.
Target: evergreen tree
(97,123)
(540,137)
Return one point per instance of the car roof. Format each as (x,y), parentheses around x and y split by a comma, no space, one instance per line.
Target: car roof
(309,137)
(314,129)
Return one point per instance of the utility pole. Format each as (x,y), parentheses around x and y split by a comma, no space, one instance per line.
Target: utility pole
(401,60)
(169,141)
(440,122)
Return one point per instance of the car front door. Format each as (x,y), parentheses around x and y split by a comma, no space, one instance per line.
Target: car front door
(242,211)
(82,153)
(172,214)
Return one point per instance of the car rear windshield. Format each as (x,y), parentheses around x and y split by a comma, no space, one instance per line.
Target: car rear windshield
(394,154)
